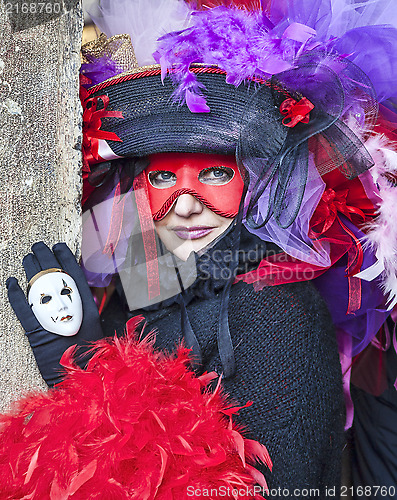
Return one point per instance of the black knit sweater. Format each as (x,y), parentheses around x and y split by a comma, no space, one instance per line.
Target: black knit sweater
(287,364)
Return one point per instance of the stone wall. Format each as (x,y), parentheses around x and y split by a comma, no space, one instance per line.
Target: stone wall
(40,159)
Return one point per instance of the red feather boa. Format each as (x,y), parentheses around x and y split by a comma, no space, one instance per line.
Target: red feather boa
(136,424)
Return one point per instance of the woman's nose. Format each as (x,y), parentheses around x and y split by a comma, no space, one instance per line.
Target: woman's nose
(187,205)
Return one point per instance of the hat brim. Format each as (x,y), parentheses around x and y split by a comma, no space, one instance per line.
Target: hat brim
(154,123)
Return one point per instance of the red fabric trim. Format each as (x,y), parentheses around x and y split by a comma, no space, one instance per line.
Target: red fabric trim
(143,74)
(354,303)
(92,122)
(157,72)
(295,111)
(116,222)
(148,235)
(103,301)
(280,269)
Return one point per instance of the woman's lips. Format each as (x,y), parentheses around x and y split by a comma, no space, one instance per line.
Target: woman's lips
(192,233)
(66,318)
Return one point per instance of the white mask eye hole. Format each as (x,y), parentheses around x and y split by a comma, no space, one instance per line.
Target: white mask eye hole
(45,299)
(66,290)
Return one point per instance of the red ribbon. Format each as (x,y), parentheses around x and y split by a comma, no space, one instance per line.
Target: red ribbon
(92,121)
(116,222)
(332,204)
(327,210)
(148,234)
(295,111)
(330,232)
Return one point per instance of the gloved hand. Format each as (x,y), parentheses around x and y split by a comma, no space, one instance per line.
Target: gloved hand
(48,347)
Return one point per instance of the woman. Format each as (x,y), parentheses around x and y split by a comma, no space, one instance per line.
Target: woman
(273,354)
(187,205)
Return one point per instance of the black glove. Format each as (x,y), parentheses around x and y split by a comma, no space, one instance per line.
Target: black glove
(48,347)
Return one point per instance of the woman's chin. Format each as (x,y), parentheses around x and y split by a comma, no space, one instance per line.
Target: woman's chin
(184,250)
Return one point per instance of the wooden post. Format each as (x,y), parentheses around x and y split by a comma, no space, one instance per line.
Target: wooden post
(40,158)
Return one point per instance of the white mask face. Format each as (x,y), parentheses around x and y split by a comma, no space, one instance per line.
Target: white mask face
(56,303)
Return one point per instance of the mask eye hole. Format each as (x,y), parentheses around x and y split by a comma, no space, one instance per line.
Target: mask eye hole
(45,299)
(162,179)
(67,291)
(216,176)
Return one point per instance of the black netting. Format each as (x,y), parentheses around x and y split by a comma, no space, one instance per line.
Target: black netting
(276,156)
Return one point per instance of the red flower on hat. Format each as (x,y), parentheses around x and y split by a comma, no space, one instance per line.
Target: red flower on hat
(295,111)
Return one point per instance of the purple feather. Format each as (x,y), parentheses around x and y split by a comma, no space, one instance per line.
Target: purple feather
(236,40)
(196,103)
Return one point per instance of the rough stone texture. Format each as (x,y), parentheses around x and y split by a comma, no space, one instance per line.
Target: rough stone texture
(40,162)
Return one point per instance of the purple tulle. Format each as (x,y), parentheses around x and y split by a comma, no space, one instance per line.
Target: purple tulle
(294,240)
(316,14)
(333,18)
(100,267)
(143,20)
(373,49)
(99,70)
(354,331)
(349,27)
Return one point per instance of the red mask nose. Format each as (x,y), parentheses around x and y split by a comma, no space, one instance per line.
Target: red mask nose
(214,180)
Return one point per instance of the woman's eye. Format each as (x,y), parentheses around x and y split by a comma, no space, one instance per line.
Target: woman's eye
(216,175)
(44,299)
(162,179)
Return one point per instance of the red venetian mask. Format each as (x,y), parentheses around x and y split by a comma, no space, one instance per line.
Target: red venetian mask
(213,179)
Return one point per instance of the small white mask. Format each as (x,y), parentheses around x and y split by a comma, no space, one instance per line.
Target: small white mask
(56,303)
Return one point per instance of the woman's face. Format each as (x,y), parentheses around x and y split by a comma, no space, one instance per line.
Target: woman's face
(194,198)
